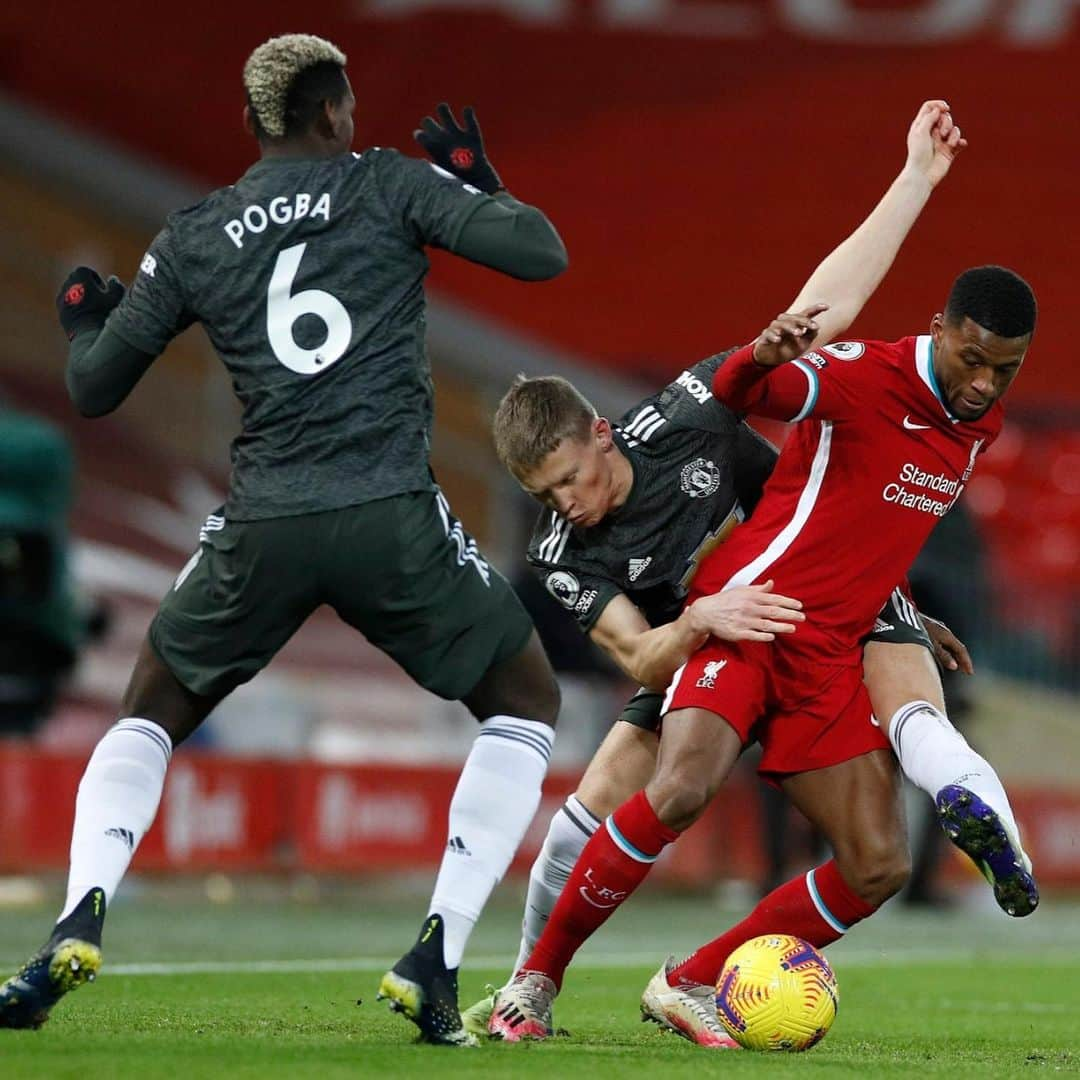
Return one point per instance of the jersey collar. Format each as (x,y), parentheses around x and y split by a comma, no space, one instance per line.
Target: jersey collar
(924,365)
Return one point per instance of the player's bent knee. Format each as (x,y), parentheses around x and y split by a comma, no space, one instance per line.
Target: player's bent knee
(551,702)
(539,701)
(523,685)
(876,873)
(603,793)
(898,674)
(621,766)
(155,693)
(678,799)
(886,879)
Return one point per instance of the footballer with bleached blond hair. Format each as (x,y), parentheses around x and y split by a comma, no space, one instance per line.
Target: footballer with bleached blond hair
(307,275)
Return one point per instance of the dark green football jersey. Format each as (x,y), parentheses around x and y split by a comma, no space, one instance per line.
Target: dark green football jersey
(698,470)
(307,276)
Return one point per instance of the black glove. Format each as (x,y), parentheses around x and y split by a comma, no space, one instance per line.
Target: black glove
(84,300)
(458,150)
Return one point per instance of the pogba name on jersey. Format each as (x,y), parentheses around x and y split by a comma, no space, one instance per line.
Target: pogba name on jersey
(911,476)
(279,211)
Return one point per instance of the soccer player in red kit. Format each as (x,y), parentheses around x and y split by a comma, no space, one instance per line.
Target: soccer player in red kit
(889,438)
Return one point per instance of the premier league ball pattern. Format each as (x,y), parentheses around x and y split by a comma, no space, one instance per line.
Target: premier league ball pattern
(777,993)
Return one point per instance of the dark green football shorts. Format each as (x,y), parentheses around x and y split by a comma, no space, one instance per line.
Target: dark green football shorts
(401,570)
(898,623)
(643,710)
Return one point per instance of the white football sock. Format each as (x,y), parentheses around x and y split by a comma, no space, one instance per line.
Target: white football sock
(568,833)
(933,754)
(118,798)
(494,802)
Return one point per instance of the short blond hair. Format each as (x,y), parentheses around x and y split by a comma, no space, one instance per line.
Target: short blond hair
(272,69)
(534,416)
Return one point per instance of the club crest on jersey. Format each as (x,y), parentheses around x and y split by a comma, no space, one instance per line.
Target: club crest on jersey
(971,462)
(700,478)
(564,587)
(708,678)
(845,350)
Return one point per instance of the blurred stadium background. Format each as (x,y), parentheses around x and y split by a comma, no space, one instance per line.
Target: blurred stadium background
(698,158)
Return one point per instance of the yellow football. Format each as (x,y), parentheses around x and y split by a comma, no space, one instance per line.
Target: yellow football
(777,993)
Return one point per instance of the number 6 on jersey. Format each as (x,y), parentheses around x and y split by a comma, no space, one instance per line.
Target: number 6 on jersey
(284,308)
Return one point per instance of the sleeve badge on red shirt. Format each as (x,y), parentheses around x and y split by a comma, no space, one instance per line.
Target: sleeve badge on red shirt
(845,350)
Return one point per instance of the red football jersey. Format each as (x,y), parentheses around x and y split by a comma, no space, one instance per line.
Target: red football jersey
(875,462)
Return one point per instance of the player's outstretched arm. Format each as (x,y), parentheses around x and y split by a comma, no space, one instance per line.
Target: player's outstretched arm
(514,238)
(102,368)
(761,378)
(503,234)
(651,656)
(848,277)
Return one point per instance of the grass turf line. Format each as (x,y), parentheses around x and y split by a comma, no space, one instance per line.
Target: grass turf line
(954,994)
(992,1020)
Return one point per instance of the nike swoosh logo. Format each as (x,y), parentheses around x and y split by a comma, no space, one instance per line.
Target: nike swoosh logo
(586,896)
(911,426)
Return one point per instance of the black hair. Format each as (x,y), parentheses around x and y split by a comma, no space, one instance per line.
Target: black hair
(995,298)
(324,81)
(321,82)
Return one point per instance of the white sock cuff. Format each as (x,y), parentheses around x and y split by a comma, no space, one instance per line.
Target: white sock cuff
(904,714)
(529,736)
(154,732)
(580,815)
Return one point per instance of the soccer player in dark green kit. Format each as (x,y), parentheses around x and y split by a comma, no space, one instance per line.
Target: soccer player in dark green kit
(307,275)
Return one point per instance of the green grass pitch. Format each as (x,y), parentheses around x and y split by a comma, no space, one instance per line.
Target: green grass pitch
(268,986)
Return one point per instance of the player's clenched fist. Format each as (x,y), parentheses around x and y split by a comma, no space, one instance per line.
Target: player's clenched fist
(84,300)
(788,336)
(746,613)
(458,149)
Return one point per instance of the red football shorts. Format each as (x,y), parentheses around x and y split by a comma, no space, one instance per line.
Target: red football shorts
(805,715)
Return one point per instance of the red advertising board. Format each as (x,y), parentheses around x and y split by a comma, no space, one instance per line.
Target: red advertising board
(354,818)
(223,813)
(215,813)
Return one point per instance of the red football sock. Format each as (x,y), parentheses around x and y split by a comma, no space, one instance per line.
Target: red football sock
(819,907)
(610,867)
